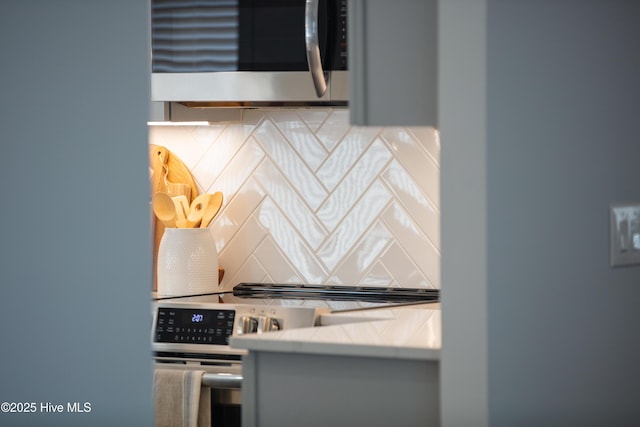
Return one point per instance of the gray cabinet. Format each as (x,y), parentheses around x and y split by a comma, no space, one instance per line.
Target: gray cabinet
(393,62)
(320,390)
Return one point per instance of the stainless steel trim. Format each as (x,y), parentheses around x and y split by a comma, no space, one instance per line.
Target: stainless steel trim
(313,49)
(246,87)
(237,86)
(230,381)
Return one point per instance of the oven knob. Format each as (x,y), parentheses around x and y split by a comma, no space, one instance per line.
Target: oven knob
(274,325)
(247,325)
(268,324)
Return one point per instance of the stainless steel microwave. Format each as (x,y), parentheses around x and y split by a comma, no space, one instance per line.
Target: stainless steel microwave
(249,51)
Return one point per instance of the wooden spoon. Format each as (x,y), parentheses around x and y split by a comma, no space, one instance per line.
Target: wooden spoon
(197,208)
(212,208)
(164,209)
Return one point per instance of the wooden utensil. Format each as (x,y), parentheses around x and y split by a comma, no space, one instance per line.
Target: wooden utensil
(158,157)
(176,172)
(164,209)
(182,208)
(211,210)
(199,204)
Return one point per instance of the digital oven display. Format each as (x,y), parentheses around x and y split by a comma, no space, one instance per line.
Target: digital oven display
(194,326)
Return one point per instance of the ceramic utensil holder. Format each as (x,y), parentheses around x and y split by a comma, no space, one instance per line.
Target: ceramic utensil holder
(187,262)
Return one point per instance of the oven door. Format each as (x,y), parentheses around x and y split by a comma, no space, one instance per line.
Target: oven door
(248,50)
(222,383)
(226,398)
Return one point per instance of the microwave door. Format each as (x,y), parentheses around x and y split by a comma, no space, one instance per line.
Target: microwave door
(240,51)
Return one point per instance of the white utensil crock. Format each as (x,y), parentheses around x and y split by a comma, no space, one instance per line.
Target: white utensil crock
(187,262)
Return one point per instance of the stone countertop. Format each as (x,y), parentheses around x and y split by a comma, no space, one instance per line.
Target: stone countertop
(405,332)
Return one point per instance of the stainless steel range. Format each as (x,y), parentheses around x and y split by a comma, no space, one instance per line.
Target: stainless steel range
(193,332)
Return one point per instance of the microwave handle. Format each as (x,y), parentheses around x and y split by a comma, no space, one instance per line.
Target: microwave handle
(313,47)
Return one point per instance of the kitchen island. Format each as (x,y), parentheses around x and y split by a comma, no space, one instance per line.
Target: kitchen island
(376,367)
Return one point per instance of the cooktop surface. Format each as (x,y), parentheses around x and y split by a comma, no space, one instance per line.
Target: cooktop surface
(334,298)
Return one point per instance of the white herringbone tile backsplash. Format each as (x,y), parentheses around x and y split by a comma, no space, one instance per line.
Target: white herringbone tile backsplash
(310,199)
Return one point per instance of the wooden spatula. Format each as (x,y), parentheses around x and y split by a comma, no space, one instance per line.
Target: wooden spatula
(182,208)
(212,208)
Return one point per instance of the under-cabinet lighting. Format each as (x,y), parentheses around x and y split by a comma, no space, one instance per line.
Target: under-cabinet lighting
(200,123)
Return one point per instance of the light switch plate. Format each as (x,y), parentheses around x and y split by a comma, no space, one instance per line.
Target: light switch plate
(625,235)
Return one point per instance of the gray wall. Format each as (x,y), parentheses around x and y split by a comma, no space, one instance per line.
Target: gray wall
(560,103)
(74,235)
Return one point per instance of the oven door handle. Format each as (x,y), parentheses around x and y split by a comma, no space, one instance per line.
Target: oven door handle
(313,47)
(230,381)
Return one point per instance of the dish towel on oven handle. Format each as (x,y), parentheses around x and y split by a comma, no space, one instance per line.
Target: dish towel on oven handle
(180,399)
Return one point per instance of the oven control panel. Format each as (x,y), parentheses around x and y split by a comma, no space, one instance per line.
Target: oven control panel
(195,329)
(193,326)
